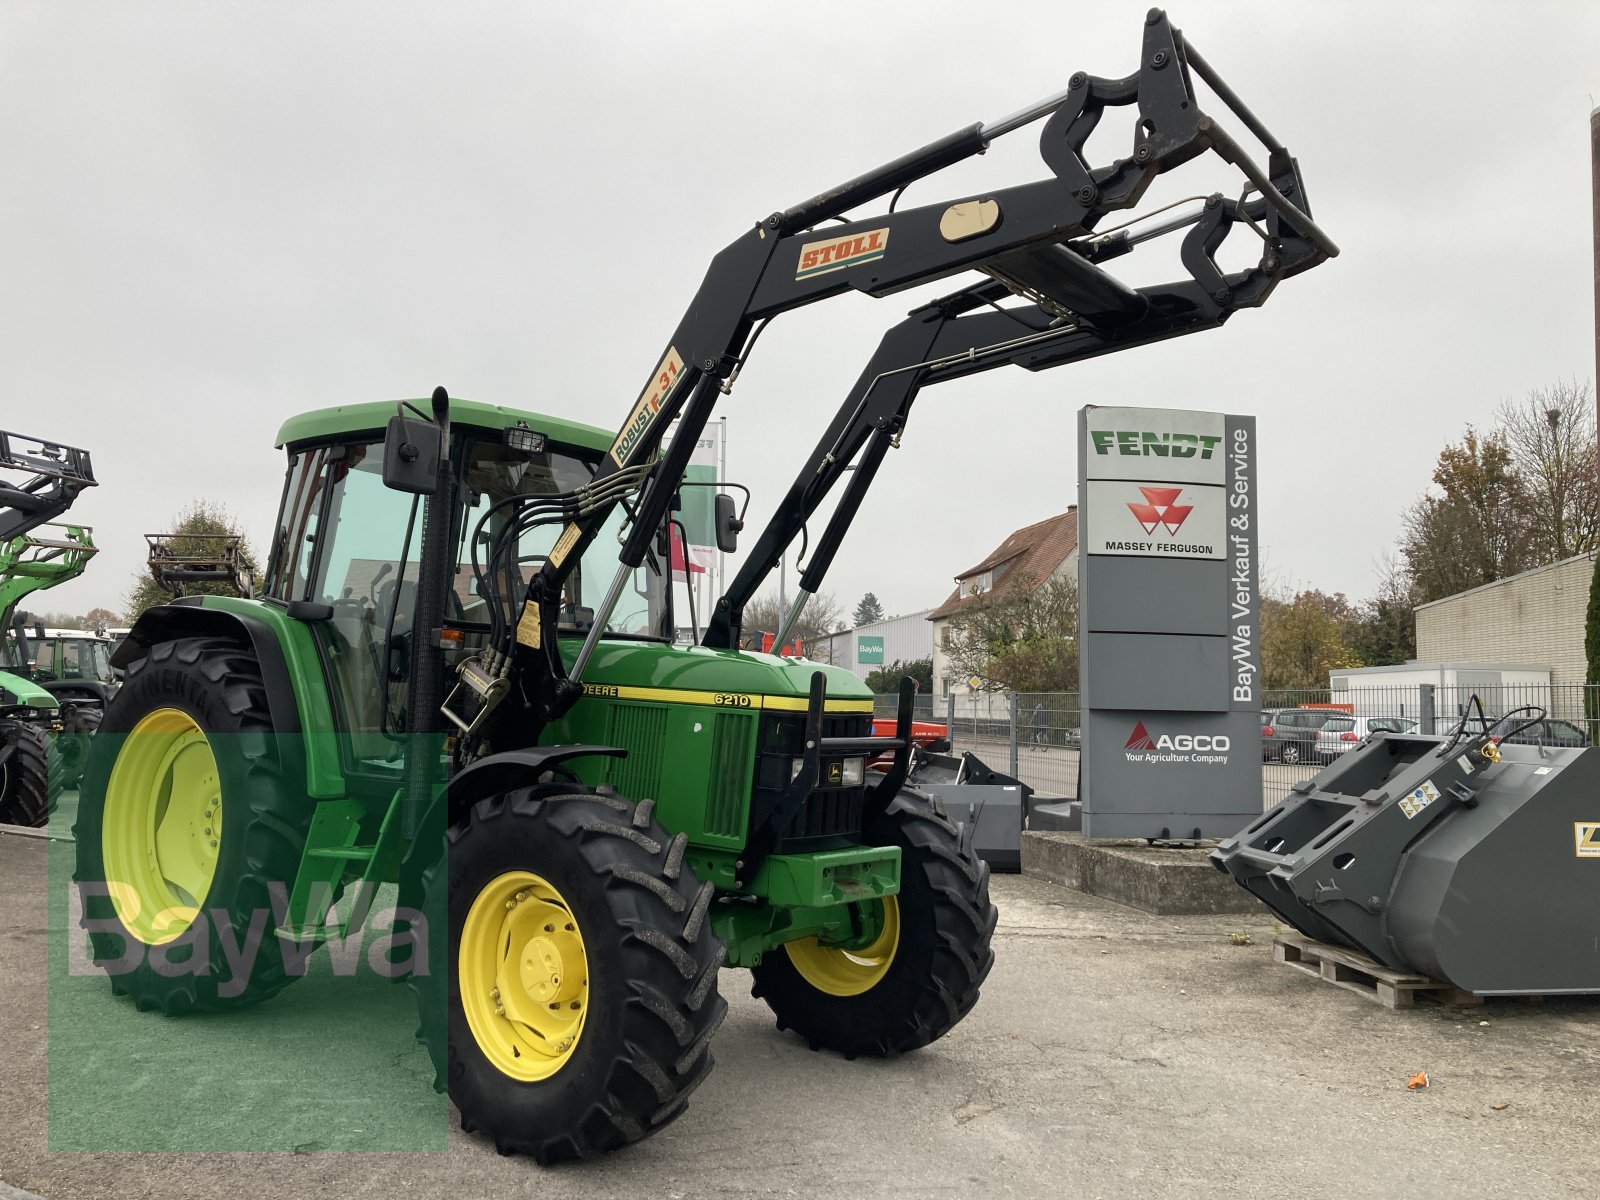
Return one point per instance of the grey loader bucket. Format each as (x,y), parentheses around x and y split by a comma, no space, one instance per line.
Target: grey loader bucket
(976,794)
(1475,863)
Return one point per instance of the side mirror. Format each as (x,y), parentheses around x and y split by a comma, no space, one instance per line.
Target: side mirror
(728,524)
(411,453)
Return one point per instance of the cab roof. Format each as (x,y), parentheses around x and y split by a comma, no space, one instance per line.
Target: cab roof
(328,424)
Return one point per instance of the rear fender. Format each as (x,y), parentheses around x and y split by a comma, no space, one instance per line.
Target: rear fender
(185,618)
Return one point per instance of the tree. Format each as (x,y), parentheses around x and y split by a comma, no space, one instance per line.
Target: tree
(868,611)
(1385,630)
(1550,435)
(887,679)
(100,618)
(820,617)
(200,519)
(1478,531)
(1305,636)
(1020,638)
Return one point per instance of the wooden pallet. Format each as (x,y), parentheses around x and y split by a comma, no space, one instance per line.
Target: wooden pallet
(1364,976)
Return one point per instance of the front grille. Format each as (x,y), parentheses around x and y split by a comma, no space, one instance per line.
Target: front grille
(830,816)
(642,728)
(732,739)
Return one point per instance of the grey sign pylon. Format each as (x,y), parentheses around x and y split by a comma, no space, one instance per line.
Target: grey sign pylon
(1169,623)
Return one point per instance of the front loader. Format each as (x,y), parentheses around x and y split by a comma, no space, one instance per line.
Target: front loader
(461,671)
(39,481)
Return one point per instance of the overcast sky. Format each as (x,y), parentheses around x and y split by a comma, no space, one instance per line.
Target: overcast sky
(215,215)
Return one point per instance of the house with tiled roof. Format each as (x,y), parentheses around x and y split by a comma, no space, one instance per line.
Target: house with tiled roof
(1029,557)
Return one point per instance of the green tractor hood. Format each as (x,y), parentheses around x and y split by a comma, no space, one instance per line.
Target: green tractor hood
(701,674)
(15,691)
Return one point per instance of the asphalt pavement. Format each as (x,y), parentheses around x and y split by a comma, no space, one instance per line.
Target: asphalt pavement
(1113,1054)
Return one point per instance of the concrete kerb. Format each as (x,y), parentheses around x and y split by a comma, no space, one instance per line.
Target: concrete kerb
(1166,880)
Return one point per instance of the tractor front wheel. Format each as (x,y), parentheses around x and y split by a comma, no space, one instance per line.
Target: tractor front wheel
(920,973)
(578,994)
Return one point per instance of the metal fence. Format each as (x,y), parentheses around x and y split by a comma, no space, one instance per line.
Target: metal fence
(1036,737)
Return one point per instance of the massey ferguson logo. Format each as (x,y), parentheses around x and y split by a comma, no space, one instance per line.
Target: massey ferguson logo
(835,254)
(1161,508)
(1205,748)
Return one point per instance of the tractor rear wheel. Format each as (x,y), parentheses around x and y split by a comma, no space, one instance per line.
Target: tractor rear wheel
(921,972)
(186,829)
(30,778)
(574,994)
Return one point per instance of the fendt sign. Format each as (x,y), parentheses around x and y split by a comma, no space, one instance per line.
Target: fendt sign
(1168,617)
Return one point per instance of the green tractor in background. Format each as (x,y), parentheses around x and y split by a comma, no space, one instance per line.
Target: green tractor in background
(39,481)
(462,673)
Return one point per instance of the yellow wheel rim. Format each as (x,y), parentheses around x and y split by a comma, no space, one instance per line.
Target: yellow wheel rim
(523,976)
(841,972)
(162,826)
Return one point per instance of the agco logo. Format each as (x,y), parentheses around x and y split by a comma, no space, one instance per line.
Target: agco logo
(1153,445)
(1181,744)
(835,254)
(1160,508)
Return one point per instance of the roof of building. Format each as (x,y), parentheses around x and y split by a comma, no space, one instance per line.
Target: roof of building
(1559,564)
(1035,552)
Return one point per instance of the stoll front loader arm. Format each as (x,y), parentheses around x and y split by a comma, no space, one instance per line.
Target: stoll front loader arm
(39,481)
(1037,241)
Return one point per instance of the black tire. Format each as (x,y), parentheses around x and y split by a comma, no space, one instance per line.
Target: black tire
(218,684)
(28,786)
(652,973)
(944,953)
(1291,754)
(76,731)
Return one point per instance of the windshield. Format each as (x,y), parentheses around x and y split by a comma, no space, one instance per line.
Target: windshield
(495,474)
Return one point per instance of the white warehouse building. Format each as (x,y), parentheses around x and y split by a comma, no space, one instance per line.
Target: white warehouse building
(869,647)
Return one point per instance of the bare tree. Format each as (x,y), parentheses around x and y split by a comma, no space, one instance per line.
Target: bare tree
(820,617)
(1020,638)
(1550,434)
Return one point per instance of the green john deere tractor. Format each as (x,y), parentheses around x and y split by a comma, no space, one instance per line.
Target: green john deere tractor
(466,671)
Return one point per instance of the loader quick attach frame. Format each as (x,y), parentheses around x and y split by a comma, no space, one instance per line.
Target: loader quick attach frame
(52,476)
(1037,241)
(179,560)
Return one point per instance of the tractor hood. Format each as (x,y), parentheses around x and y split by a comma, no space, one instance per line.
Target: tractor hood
(740,673)
(15,690)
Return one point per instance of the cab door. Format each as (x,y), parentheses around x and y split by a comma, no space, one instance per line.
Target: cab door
(352,546)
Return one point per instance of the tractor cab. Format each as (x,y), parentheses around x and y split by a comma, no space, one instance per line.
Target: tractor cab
(346,559)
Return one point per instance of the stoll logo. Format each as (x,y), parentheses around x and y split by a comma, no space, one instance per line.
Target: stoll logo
(1202,748)
(835,254)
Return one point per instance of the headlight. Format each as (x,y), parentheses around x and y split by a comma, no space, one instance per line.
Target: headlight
(838,772)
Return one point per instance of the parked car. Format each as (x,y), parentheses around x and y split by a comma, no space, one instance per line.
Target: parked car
(1547,731)
(1341,733)
(1286,738)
